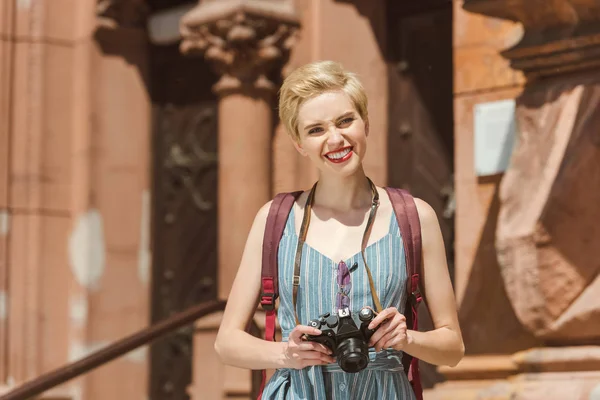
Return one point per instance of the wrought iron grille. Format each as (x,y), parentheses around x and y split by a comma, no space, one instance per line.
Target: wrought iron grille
(185,240)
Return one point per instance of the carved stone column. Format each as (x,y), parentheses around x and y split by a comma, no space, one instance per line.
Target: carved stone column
(548,227)
(246,41)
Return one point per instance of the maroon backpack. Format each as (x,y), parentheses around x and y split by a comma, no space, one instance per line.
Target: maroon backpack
(410,228)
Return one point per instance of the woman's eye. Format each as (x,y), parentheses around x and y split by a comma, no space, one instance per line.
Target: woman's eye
(346,121)
(314,130)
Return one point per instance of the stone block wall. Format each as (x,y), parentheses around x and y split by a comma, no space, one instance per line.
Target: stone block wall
(481,75)
(74,200)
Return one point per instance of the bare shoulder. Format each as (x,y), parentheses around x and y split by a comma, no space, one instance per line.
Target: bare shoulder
(426,212)
(260,220)
(263,212)
(430,226)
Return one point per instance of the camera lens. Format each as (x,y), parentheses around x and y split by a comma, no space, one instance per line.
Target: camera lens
(352,355)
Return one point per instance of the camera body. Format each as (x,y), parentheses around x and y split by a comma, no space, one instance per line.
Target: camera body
(347,336)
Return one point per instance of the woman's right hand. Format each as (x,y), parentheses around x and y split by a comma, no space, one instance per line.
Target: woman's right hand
(300,353)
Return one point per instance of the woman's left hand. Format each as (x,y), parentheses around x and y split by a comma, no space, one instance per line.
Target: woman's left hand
(392,331)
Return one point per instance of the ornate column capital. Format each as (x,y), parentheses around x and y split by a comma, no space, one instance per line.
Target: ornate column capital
(112,14)
(244,40)
(560,36)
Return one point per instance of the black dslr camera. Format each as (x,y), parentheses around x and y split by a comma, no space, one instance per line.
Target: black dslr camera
(346,336)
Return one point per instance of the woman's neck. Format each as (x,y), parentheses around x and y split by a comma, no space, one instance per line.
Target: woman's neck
(343,194)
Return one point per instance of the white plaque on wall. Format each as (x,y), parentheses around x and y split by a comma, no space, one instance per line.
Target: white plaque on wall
(495,132)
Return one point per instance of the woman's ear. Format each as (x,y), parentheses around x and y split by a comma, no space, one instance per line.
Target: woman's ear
(298,147)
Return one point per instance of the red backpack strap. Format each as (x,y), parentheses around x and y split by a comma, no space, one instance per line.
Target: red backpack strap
(275,225)
(410,229)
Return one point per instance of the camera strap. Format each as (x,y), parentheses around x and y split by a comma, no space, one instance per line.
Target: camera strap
(302,239)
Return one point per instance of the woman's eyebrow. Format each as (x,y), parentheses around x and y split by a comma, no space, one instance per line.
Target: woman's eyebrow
(346,114)
(312,125)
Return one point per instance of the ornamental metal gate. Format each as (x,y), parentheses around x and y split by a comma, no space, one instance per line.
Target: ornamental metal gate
(184,208)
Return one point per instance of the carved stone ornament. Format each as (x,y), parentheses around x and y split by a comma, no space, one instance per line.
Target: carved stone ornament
(548,231)
(244,40)
(560,36)
(113,14)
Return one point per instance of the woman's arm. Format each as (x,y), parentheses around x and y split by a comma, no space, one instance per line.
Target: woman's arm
(233,345)
(444,344)
(240,349)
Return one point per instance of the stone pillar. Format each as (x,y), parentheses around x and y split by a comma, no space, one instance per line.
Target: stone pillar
(245,41)
(7,45)
(109,241)
(69,247)
(44,105)
(546,233)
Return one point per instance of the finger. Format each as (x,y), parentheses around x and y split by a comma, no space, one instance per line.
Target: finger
(300,330)
(312,346)
(382,316)
(315,355)
(398,322)
(378,334)
(391,325)
(310,355)
(310,363)
(389,344)
(383,342)
(394,337)
(385,328)
(395,341)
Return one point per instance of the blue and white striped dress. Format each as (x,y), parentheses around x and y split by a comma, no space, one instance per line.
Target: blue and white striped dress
(384,377)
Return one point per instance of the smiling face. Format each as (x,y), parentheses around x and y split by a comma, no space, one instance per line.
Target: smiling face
(332,133)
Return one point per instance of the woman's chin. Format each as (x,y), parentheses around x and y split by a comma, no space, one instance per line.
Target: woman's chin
(341,170)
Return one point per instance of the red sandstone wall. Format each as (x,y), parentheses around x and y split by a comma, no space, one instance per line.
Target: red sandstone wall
(74,200)
(6,48)
(481,75)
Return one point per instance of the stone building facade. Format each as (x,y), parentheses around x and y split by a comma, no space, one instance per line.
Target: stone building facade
(138,138)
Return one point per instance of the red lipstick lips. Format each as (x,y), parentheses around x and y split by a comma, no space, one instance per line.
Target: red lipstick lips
(342,159)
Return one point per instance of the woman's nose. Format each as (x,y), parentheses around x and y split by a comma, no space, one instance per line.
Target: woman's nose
(335,137)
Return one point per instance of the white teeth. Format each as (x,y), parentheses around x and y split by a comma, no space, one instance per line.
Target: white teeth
(339,154)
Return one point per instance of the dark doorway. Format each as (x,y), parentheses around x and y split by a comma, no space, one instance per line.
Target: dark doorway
(184,224)
(421,123)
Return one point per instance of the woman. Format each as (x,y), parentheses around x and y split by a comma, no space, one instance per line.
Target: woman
(324,109)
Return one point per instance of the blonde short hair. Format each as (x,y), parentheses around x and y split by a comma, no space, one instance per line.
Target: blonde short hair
(312,80)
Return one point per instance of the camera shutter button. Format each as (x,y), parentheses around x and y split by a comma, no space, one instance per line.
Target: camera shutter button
(366,314)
